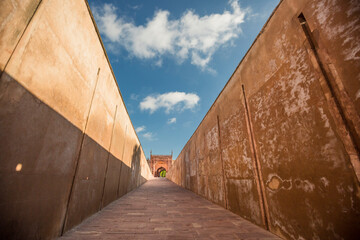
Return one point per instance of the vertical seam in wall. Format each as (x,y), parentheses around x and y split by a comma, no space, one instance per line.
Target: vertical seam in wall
(182,172)
(111,69)
(205,176)
(344,119)
(197,169)
(122,159)
(107,160)
(16,45)
(264,208)
(79,154)
(222,164)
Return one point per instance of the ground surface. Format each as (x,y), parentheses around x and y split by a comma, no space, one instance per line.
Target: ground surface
(159,209)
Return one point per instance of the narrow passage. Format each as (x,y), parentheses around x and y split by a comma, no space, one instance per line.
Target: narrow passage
(160,209)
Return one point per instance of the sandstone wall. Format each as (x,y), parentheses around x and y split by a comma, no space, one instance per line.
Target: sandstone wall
(67,145)
(280,145)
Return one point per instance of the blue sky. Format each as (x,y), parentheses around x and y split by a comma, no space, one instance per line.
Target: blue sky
(172,58)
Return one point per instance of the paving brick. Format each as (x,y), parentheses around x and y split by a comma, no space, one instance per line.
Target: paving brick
(159,209)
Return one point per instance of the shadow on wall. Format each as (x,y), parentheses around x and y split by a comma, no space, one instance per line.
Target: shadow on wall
(40,150)
(135,167)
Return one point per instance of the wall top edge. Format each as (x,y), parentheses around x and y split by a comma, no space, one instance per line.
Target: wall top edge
(111,69)
(231,77)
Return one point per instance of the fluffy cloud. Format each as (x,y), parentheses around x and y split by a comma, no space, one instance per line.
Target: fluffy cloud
(191,37)
(140,129)
(171,121)
(149,136)
(170,101)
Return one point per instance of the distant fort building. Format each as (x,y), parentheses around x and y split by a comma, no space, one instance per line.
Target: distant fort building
(159,163)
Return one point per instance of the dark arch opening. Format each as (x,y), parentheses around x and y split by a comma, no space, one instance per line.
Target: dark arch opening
(160,172)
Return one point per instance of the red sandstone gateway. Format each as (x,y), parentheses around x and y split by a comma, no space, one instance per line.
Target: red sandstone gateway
(159,163)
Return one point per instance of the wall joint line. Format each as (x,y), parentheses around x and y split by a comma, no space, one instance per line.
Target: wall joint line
(22,34)
(122,159)
(351,138)
(107,160)
(78,157)
(263,202)
(222,164)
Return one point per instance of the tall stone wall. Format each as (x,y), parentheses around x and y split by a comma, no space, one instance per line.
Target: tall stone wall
(67,145)
(280,145)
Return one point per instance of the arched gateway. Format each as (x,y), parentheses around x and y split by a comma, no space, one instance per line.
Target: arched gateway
(160,172)
(159,163)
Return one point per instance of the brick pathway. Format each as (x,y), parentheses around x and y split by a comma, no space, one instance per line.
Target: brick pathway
(159,209)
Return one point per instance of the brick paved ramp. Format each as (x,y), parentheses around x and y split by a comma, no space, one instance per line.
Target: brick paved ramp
(159,209)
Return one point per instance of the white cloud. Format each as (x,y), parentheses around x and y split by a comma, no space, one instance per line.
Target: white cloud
(149,136)
(140,129)
(191,37)
(158,63)
(171,120)
(170,101)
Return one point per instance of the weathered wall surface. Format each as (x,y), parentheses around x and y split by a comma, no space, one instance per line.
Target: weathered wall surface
(280,145)
(67,145)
